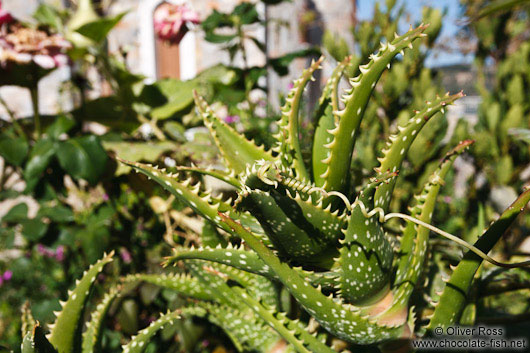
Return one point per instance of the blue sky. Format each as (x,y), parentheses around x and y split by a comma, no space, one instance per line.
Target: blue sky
(450,27)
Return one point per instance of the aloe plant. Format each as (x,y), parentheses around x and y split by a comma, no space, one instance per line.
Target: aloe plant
(305,228)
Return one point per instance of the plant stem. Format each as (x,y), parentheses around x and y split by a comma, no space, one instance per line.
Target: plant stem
(36,116)
(156,131)
(13,118)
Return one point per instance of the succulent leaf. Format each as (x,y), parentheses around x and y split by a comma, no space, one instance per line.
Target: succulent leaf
(237,151)
(34,341)
(228,178)
(28,321)
(259,287)
(93,333)
(399,144)
(214,277)
(298,226)
(247,261)
(215,280)
(289,229)
(454,295)
(344,134)
(366,254)
(329,103)
(414,243)
(200,201)
(342,320)
(247,333)
(237,257)
(181,283)
(300,339)
(138,343)
(65,333)
(288,145)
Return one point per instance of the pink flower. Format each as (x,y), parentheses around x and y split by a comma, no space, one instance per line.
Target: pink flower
(42,250)
(5,16)
(125,256)
(231,119)
(172,21)
(59,253)
(7,275)
(22,45)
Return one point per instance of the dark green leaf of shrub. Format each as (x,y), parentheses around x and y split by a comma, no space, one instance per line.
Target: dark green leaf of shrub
(13,149)
(47,15)
(98,30)
(33,229)
(39,158)
(57,213)
(83,158)
(60,126)
(17,213)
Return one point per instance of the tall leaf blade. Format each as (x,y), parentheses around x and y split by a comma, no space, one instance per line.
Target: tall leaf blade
(66,331)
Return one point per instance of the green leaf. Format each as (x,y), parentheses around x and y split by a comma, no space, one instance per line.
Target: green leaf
(180,283)
(83,157)
(499,6)
(288,146)
(291,331)
(326,120)
(98,30)
(138,343)
(137,151)
(191,195)
(298,229)
(12,148)
(356,100)
(35,342)
(366,254)
(237,151)
(60,126)
(259,287)
(23,75)
(49,16)
(218,38)
(336,45)
(453,299)
(210,237)
(108,111)
(66,331)
(281,64)
(414,243)
(56,213)
(39,158)
(345,322)
(247,261)
(175,131)
(229,178)
(399,143)
(28,321)
(179,98)
(16,214)
(94,331)
(247,332)
(247,13)
(33,229)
